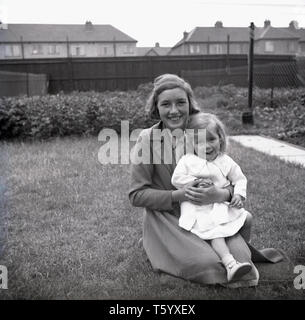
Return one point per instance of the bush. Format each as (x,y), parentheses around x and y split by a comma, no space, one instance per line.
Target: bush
(71,114)
(88,112)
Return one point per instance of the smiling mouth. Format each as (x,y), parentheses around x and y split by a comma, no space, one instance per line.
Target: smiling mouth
(175,118)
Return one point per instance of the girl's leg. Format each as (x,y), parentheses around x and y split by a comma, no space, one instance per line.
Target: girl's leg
(234,268)
(220,247)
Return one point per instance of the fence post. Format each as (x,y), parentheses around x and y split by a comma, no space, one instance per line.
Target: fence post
(27,84)
(22,47)
(272,85)
(114,47)
(247,116)
(70,66)
(228,55)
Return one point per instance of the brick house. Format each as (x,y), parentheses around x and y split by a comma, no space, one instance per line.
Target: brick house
(28,41)
(235,40)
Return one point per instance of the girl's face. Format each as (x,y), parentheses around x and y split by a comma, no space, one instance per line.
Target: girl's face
(173,107)
(210,147)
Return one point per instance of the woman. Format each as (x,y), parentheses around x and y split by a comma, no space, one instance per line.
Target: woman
(170,248)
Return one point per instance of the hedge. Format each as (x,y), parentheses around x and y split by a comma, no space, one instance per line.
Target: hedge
(81,113)
(71,114)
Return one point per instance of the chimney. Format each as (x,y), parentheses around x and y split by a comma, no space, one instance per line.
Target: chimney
(157,45)
(267,23)
(88,25)
(293,25)
(185,34)
(218,24)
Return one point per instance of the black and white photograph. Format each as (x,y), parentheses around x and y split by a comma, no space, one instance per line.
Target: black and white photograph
(152,151)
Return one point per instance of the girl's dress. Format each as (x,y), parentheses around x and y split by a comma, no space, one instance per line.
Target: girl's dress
(216,220)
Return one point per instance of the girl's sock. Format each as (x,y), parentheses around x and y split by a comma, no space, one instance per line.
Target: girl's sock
(227,259)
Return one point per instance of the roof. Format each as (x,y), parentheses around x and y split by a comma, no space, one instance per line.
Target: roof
(237,34)
(158,51)
(274,33)
(60,32)
(301,34)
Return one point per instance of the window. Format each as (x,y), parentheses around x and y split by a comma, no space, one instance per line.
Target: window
(12,51)
(216,48)
(53,49)
(291,46)
(78,50)
(37,49)
(128,49)
(194,48)
(269,46)
(104,51)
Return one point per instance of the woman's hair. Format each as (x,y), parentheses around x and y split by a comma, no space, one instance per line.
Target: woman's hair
(166,82)
(203,120)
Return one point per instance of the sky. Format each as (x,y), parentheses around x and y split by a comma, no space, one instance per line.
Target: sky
(151,21)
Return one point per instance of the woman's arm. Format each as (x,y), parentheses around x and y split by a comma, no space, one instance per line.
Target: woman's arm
(141,193)
(202,196)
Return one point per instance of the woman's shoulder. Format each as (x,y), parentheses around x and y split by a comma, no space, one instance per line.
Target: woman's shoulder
(147,131)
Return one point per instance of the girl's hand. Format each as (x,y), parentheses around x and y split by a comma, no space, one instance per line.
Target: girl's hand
(205,183)
(203,196)
(237,201)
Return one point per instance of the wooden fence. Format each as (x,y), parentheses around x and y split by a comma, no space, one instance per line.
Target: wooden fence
(18,83)
(125,73)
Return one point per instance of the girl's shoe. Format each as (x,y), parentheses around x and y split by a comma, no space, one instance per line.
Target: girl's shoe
(235,270)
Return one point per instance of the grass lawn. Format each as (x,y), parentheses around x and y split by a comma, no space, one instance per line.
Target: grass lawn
(68,230)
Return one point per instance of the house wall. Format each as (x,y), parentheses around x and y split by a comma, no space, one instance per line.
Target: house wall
(211,48)
(88,50)
(280,46)
(301,49)
(181,50)
(3,55)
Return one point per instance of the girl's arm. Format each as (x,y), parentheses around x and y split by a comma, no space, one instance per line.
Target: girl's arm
(181,176)
(237,179)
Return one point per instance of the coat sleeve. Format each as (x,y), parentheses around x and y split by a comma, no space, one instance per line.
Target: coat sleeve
(141,193)
(238,179)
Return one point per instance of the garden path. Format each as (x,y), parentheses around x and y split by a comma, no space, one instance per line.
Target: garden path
(283,150)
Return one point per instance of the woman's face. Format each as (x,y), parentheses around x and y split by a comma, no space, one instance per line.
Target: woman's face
(173,107)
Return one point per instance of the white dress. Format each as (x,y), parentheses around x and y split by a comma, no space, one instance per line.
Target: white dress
(214,220)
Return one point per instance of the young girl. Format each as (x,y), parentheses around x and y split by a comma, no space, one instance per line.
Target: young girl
(210,165)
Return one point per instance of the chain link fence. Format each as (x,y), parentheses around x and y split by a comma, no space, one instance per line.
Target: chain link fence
(268,76)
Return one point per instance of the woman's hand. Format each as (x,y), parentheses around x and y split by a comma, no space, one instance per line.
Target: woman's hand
(203,196)
(180,195)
